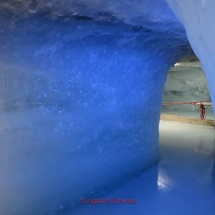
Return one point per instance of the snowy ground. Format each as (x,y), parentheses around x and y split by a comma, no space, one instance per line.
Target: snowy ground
(183,182)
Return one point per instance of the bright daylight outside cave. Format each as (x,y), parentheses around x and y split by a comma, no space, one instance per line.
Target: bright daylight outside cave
(106,107)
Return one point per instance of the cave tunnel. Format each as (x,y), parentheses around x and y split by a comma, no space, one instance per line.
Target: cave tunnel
(81,85)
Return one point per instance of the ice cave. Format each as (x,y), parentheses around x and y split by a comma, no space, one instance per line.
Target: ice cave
(82,83)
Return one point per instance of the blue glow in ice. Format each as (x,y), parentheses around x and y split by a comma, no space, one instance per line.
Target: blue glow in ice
(198,19)
(81,91)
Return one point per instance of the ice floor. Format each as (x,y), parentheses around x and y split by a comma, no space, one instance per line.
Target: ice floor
(183,182)
(189,113)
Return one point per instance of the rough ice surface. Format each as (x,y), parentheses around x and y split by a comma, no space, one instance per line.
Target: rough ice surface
(80,97)
(198,19)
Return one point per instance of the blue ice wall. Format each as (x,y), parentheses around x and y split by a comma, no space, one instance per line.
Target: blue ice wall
(198,19)
(79,106)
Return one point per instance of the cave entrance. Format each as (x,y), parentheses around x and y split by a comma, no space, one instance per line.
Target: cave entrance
(187,144)
(185,89)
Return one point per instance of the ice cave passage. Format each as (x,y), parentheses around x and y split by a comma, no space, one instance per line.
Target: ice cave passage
(81,85)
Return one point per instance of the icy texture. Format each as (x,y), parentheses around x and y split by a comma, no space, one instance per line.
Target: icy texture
(80,101)
(198,18)
(186,85)
(183,182)
(137,12)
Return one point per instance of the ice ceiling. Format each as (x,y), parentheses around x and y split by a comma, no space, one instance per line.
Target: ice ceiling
(143,14)
(135,13)
(81,85)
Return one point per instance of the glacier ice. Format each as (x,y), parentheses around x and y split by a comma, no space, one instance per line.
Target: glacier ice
(80,96)
(184,176)
(198,19)
(186,83)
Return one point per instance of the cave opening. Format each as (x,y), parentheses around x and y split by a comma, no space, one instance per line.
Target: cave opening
(185,90)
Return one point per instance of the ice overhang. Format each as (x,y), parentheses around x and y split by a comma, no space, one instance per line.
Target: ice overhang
(146,14)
